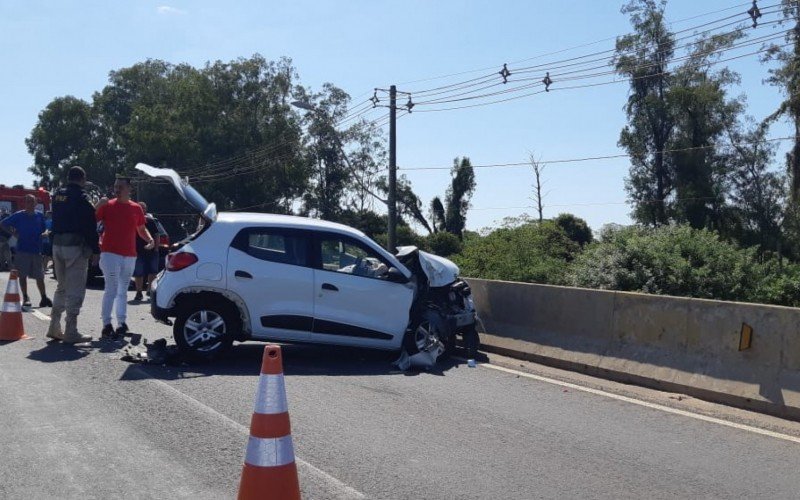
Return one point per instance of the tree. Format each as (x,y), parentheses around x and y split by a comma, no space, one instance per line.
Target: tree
(787,77)
(538,197)
(575,228)
(701,112)
(458,196)
(758,194)
(443,243)
(228,126)
(450,216)
(68,133)
(408,203)
(438,215)
(642,57)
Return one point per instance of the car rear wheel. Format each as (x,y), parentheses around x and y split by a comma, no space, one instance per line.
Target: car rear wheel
(205,329)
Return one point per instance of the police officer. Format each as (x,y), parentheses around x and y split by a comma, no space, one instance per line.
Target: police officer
(74,243)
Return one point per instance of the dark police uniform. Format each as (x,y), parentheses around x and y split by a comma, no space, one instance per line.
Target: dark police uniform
(75,239)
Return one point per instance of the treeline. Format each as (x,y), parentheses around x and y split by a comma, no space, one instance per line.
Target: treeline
(716,211)
(697,158)
(232,129)
(670,260)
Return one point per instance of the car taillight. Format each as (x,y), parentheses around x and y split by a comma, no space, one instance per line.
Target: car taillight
(163,240)
(180,260)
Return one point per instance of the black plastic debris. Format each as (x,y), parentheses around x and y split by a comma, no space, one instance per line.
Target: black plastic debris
(156,353)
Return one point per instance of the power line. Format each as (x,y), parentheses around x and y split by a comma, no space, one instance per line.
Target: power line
(485,78)
(597,204)
(600,157)
(497,101)
(561,51)
(363,108)
(211,171)
(231,170)
(538,83)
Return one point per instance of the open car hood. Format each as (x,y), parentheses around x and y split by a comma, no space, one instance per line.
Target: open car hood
(207,210)
(438,270)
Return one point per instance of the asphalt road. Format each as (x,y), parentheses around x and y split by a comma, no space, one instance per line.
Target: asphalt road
(77,422)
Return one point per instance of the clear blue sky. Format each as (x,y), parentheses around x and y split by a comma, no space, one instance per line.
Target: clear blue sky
(52,49)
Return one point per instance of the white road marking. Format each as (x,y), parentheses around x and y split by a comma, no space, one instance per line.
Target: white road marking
(42,316)
(654,406)
(342,490)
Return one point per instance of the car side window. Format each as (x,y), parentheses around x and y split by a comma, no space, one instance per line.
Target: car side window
(274,245)
(342,255)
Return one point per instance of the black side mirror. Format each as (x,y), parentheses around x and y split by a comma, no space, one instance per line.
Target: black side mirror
(395,276)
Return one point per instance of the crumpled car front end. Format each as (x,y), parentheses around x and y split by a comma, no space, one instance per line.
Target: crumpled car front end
(443,310)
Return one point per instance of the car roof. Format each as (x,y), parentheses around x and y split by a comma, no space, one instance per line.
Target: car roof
(292,221)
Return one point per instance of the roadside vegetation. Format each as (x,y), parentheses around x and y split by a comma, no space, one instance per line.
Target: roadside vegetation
(716,210)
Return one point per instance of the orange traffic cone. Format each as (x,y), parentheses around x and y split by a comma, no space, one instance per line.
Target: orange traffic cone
(11,315)
(269,467)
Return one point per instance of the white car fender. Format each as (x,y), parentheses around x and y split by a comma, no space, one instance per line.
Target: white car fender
(232,296)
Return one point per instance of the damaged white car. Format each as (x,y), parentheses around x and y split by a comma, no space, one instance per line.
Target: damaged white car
(254,276)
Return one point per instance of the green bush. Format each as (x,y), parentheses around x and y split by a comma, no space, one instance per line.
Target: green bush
(443,243)
(778,286)
(576,228)
(669,260)
(531,252)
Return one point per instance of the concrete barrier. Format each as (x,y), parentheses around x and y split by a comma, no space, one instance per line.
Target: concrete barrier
(677,344)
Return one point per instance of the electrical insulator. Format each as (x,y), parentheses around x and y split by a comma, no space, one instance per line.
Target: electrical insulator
(547,81)
(375,99)
(505,73)
(409,104)
(754,13)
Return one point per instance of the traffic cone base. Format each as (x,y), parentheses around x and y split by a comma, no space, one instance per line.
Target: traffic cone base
(281,480)
(11,327)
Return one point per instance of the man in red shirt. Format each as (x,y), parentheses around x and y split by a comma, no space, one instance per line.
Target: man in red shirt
(122,220)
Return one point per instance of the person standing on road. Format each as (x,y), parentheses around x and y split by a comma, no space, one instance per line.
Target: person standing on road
(47,244)
(146,260)
(122,220)
(5,246)
(74,238)
(28,226)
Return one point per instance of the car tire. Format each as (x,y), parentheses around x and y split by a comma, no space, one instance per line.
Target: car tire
(204,329)
(430,324)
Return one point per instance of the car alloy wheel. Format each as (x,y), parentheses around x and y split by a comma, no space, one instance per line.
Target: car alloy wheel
(203,330)
(425,336)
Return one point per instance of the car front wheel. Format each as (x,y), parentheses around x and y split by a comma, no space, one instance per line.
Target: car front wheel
(205,329)
(428,333)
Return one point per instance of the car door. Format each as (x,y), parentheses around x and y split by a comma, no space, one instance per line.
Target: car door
(270,269)
(355,303)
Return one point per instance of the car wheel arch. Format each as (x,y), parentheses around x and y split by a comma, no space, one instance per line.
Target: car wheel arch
(186,295)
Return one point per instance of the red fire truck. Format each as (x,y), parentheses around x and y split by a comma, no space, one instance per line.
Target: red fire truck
(13,198)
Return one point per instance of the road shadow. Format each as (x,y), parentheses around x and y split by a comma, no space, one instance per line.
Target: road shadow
(298,360)
(56,352)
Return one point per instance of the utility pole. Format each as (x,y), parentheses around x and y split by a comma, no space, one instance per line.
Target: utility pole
(392,236)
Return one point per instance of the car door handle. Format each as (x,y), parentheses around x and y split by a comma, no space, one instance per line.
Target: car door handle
(243,274)
(328,286)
